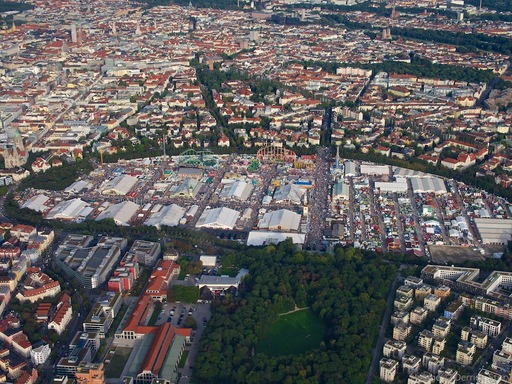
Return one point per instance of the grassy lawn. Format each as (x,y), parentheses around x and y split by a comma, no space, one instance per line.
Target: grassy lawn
(183,359)
(293,334)
(117,362)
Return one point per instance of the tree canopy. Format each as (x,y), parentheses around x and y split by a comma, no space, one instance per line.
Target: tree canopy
(345,290)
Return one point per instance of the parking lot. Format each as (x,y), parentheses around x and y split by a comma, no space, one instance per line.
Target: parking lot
(176,314)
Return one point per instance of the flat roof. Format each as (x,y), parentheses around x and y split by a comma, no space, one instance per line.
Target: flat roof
(494,231)
(257,238)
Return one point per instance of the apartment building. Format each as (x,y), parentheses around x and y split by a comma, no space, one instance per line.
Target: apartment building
(465,352)
(432,363)
(486,325)
(411,364)
(399,317)
(394,349)
(447,376)
(401,331)
(488,377)
(431,302)
(421,378)
(418,315)
(388,369)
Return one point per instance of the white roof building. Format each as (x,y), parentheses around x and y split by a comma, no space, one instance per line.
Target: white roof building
(428,184)
(40,354)
(374,169)
(494,231)
(238,189)
(350,168)
(37,203)
(121,213)
(400,185)
(69,210)
(289,193)
(188,188)
(78,186)
(280,220)
(119,185)
(169,215)
(218,218)
(258,238)
(208,261)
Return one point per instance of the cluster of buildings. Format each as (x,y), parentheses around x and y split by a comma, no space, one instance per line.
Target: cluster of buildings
(382,207)
(132,329)
(78,361)
(22,246)
(74,85)
(242,193)
(422,355)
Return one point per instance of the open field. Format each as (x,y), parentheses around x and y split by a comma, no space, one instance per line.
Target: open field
(443,254)
(293,334)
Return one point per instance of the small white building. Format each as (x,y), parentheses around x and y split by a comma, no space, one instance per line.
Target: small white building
(40,354)
(208,261)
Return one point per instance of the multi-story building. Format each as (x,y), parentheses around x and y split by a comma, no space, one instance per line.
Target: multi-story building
(480,339)
(62,315)
(164,353)
(83,348)
(394,349)
(399,317)
(40,354)
(447,376)
(431,302)
(438,345)
(465,352)
(494,307)
(443,291)
(501,362)
(465,279)
(401,331)
(403,303)
(418,315)
(421,378)
(146,252)
(432,362)
(441,328)
(488,326)
(160,278)
(488,377)
(136,327)
(388,369)
(102,314)
(405,291)
(90,266)
(506,347)
(37,285)
(411,364)
(413,281)
(454,310)
(465,333)
(425,340)
(422,291)
(89,373)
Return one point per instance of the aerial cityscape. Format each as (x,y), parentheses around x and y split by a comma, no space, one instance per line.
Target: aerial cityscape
(256,191)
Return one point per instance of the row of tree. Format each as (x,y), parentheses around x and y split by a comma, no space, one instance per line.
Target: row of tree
(346,290)
(486,183)
(418,67)
(57,178)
